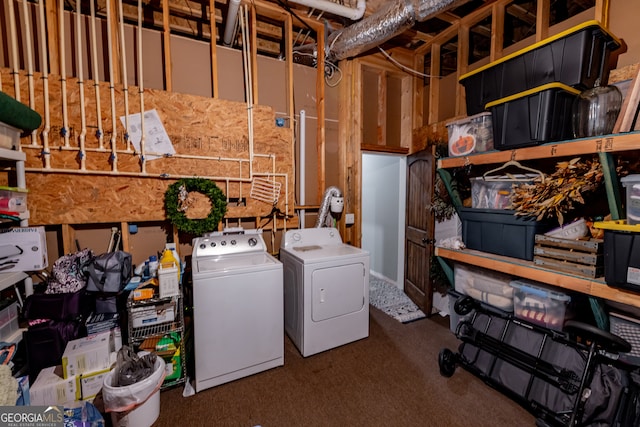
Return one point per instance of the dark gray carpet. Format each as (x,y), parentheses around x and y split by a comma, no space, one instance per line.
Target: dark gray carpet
(390,378)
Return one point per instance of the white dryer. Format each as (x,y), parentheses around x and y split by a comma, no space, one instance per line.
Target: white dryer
(326,290)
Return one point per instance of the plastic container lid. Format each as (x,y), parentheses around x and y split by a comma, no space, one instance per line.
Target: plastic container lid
(523,94)
(539,291)
(619,225)
(586,24)
(469,119)
(630,179)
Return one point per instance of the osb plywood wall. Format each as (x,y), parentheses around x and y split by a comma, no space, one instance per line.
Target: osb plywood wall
(197,127)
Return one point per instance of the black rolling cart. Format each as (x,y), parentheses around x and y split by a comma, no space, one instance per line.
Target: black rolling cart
(564,378)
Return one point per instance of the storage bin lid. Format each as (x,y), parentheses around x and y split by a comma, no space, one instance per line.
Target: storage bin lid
(579,27)
(15,189)
(554,85)
(630,179)
(469,119)
(618,225)
(530,288)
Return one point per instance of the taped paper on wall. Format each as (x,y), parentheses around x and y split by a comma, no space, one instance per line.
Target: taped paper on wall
(156,139)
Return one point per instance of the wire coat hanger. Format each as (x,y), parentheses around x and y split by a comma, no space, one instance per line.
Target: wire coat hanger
(514,163)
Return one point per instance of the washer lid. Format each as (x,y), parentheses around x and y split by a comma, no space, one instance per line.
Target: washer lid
(315,253)
(235,263)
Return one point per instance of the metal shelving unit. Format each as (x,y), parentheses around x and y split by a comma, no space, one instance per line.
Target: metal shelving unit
(137,335)
(604,146)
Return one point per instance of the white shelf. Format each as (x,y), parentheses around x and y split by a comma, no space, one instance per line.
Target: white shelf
(10,279)
(6,154)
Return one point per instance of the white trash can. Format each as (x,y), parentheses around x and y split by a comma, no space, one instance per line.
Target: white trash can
(135,405)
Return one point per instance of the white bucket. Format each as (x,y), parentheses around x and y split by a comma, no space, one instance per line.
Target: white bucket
(142,416)
(135,405)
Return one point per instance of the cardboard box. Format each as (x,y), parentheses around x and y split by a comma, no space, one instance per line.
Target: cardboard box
(89,384)
(50,388)
(87,354)
(149,315)
(23,249)
(168,280)
(9,136)
(102,322)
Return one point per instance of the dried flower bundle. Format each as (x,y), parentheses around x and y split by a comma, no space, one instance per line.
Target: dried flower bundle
(556,194)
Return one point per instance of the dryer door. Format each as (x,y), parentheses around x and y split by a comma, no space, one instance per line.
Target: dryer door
(337,290)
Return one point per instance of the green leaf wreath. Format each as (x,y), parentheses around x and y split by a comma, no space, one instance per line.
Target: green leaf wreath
(176,203)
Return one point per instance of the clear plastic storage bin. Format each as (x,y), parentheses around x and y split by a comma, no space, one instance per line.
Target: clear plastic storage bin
(470,135)
(631,184)
(538,304)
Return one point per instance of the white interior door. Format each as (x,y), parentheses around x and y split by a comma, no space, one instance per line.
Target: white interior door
(383,214)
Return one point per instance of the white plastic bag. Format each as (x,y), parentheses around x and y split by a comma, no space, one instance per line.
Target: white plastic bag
(125,398)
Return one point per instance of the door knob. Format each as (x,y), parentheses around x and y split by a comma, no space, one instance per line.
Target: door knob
(428,241)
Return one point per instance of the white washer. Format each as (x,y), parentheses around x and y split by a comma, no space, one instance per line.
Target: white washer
(326,290)
(237,307)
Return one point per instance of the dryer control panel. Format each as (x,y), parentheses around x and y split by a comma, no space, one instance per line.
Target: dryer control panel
(221,243)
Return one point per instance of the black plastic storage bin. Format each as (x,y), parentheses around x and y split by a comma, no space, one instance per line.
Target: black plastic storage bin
(621,254)
(576,57)
(500,232)
(533,117)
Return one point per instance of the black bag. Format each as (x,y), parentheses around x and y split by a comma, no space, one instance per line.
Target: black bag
(46,342)
(109,273)
(56,306)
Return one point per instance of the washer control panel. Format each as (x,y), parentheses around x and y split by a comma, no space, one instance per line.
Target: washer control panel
(228,243)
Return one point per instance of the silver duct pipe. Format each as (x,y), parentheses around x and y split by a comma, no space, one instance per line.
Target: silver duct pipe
(383,25)
(323,214)
(335,8)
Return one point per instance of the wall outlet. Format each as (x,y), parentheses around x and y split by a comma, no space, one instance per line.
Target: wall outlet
(349,218)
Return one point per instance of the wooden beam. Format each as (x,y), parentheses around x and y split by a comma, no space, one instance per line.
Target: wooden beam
(113,11)
(320,105)
(288,41)
(418,93)
(381,122)
(463,66)
(166,47)
(126,237)
(434,87)
(602,12)
(53,42)
(542,19)
(497,31)
(254,53)
(68,238)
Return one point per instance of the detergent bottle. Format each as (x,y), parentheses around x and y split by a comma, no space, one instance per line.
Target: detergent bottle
(168,258)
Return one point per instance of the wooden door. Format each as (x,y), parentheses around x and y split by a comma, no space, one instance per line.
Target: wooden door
(419,229)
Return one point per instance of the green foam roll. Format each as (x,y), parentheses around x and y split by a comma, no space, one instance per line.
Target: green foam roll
(16,114)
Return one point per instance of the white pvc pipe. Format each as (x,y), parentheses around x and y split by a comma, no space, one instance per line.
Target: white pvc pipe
(301,164)
(28,41)
(96,77)
(14,51)
(45,83)
(244,22)
(143,160)
(125,85)
(231,23)
(63,75)
(80,73)
(112,92)
(335,8)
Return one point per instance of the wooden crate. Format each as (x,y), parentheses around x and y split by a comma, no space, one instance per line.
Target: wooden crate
(579,257)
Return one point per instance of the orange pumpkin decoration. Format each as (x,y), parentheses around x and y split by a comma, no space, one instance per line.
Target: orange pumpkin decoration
(463,145)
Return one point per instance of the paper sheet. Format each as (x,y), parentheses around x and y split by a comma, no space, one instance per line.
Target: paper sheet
(156,138)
